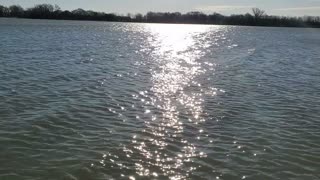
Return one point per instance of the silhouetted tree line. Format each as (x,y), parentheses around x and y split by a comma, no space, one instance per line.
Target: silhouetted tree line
(257,18)
(48,11)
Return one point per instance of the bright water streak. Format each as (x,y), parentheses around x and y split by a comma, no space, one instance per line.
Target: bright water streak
(94,100)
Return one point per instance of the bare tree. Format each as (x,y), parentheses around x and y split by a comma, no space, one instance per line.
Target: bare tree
(56,8)
(16,11)
(258,13)
(4,11)
(79,12)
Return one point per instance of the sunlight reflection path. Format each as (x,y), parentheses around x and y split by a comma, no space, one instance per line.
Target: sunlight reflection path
(175,58)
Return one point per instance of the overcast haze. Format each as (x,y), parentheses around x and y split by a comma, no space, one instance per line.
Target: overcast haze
(227,7)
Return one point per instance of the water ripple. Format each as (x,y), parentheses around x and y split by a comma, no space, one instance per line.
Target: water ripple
(96,100)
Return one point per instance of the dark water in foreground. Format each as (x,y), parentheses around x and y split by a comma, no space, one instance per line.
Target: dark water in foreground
(95,100)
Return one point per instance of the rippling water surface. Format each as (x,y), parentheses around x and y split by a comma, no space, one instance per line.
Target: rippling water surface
(96,100)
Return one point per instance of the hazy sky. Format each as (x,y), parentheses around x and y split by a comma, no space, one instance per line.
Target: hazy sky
(272,7)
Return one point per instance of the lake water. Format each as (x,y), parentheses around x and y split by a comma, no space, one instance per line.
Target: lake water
(101,100)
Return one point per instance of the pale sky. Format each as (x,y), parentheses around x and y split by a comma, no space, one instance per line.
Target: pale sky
(226,7)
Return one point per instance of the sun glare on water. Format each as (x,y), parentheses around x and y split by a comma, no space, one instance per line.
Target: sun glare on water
(175,52)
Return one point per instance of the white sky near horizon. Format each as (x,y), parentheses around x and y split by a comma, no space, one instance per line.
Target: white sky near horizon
(226,7)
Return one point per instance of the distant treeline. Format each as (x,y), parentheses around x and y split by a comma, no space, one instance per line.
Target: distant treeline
(257,18)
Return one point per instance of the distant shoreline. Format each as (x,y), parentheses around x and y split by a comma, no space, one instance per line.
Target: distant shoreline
(257,18)
(72,20)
